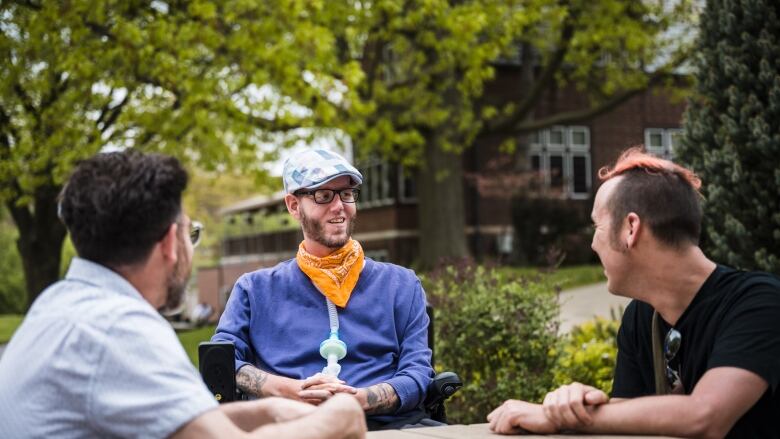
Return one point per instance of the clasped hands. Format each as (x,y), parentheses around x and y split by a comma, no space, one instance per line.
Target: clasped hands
(319,388)
(569,407)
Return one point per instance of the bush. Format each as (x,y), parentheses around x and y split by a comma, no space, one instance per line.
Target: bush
(497,332)
(551,231)
(588,354)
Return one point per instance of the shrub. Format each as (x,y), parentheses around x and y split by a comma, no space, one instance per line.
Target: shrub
(497,332)
(551,231)
(588,354)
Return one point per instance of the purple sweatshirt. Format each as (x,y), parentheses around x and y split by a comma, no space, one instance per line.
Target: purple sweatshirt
(277,318)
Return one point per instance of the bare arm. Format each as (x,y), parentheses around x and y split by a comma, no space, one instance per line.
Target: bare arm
(378,399)
(339,417)
(250,415)
(259,383)
(720,398)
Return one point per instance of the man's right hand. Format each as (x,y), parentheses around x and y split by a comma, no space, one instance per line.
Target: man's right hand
(320,387)
(515,417)
(569,406)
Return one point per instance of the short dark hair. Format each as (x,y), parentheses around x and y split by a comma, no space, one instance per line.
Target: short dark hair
(117,205)
(664,195)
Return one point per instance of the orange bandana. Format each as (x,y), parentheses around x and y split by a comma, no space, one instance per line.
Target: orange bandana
(334,275)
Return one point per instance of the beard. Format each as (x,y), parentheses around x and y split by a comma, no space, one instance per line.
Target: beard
(176,283)
(316,231)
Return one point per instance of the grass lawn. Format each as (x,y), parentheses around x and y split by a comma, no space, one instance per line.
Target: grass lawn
(566,277)
(8,325)
(191,339)
(188,339)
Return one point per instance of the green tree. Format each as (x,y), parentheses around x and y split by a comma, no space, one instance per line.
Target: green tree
(12,297)
(187,78)
(207,193)
(732,132)
(423,67)
(215,83)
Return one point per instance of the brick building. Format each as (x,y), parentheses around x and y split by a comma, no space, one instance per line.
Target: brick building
(567,158)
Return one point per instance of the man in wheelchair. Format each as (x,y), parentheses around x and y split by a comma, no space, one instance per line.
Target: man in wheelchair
(330,320)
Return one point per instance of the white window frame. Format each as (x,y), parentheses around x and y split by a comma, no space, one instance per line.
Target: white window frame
(376,187)
(402,187)
(568,149)
(588,182)
(666,149)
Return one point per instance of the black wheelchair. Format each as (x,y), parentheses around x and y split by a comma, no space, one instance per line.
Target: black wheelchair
(217,367)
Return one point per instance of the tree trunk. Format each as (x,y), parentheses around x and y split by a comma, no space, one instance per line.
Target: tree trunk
(440,207)
(41,235)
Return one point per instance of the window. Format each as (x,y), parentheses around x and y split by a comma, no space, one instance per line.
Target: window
(562,156)
(376,188)
(662,141)
(407,186)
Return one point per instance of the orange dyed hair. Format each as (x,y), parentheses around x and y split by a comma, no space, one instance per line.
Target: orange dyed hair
(665,195)
(637,158)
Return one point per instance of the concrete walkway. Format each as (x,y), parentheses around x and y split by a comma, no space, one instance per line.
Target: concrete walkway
(579,305)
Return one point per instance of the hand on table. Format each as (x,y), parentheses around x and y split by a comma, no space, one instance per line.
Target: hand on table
(569,407)
(514,417)
(320,387)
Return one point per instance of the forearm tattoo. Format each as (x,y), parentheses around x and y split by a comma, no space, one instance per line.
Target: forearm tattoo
(381,399)
(251,380)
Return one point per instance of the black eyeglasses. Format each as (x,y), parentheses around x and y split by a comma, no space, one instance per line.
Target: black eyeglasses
(196,230)
(671,346)
(325,196)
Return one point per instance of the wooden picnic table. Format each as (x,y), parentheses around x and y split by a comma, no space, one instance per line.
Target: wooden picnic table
(479,431)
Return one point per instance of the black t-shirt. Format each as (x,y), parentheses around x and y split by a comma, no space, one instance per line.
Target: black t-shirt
(734,320)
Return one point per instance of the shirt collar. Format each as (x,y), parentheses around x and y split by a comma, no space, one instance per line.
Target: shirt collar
(92,273)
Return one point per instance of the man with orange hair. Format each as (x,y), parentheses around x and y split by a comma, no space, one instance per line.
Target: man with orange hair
(698,347)
(331,320)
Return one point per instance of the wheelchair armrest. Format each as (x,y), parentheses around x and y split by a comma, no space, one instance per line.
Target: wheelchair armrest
(444,385)
(218,369)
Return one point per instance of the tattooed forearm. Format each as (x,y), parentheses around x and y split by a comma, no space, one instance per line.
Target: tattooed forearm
(381,399)
(251,380)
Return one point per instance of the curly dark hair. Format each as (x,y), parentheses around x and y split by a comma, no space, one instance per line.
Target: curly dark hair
(117,205)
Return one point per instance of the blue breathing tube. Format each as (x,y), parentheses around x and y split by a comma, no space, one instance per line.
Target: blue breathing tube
(332,349)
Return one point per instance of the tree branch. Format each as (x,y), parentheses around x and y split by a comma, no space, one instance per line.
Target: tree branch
(57,88)
(22,216)
(583,115)
(27,102)
(113,113)
(100,29)
(546,77)
(10,133)
(29,4)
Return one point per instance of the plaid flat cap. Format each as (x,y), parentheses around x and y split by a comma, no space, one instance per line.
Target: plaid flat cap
(311,168)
